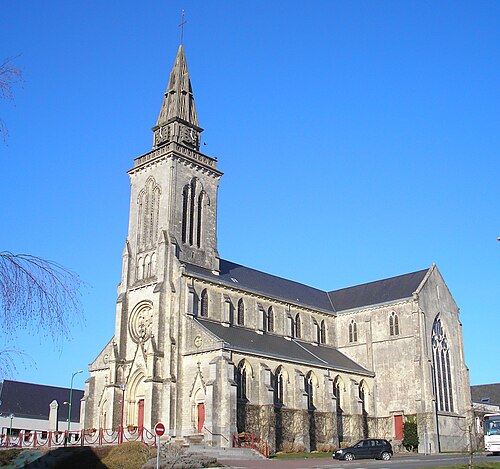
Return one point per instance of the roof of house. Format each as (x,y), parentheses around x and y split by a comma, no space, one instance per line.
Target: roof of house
(486,393)
(380,291)
(245,340)
(28,400)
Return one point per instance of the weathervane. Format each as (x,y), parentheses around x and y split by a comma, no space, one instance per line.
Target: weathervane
(183,22)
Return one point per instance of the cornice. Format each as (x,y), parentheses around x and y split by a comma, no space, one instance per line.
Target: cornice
(173,149)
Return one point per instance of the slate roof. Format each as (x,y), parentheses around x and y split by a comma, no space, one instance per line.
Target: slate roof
(486,391)
(27,400)
(380,291)
(249,341)
(267,284)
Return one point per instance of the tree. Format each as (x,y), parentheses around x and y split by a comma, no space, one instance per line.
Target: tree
(36,295)
(9,75)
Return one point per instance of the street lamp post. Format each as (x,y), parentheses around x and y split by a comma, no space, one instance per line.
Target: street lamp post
(122,387)
(70,403)
(11,416)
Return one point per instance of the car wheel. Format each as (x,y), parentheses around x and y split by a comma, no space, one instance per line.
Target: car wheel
(349,457)
(386,456)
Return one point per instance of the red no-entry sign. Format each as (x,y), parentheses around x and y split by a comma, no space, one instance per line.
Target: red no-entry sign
(159,429)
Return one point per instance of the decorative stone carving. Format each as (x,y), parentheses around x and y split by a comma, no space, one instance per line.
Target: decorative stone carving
(141,323)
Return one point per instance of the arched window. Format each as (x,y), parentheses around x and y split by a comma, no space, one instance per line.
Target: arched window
(199,224)
(241,381)
(241,312)
(204,303)
(322,333)
(192,303)
(185,213)
(291,326)
(337,392)
(393,324)
(148,213)
(278,386)
(270,319)
(364,413)
(192,211)
(442,368)
(353,331)
(228,311)
(298,327)
(308,387)
(317,332)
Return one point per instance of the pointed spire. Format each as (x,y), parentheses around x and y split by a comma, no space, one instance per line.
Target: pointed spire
(179,100)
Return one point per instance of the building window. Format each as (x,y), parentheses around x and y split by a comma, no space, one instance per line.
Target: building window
(298,327)
(442,368)
(241,312)
(241,381)
(322,333)
(393,324)
(308,387)
(291,326)
(278,387)
(228,311)
(270,319)
(353,331)
(204,303)
(194,201)
(149,207)
(192,306)
(317,332)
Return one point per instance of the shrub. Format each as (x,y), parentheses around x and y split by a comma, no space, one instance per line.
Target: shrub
(128,456)
(410,435)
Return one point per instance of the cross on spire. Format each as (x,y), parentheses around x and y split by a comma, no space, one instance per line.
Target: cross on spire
(183,22)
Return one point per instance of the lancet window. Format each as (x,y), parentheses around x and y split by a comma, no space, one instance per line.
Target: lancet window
(353,331)
(298,327)
(442,369)
(278,387)
(322,333)
(309,390)
(241,312)
(393,324)
(194,202)
(241,381)
(149,206)
(270,319)
(204,303)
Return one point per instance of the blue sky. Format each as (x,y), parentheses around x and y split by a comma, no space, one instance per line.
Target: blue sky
(359,140)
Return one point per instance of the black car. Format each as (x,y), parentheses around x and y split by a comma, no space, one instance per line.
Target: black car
(366,449)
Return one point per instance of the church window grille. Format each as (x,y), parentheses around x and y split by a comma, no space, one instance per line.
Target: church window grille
(298,327)
(353,331)
(270,319)
(442,368)
(241,381)
(241,312)
(393,324)
(204,304)
(322,333)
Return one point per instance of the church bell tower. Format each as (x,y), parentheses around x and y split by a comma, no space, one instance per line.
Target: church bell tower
(174,187)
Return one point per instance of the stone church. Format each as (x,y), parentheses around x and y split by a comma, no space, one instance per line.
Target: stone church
(210,347)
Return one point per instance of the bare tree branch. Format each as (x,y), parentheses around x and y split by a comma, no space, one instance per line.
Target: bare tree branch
(37,295)
(9,75)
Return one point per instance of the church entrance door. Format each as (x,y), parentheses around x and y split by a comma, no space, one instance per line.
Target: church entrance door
(201,416)
(398,427)
(140,413)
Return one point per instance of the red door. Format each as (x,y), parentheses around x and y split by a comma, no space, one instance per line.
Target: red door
(201,417)
(140,413)
(398,426)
